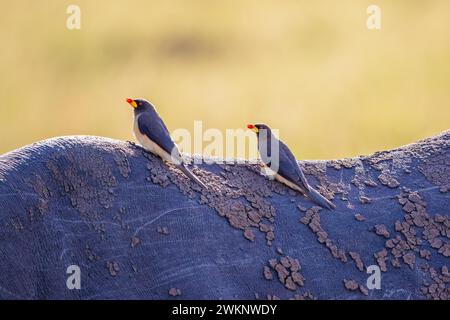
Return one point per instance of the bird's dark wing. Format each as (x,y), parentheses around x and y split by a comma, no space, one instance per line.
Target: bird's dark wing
(289,169)
(153,127)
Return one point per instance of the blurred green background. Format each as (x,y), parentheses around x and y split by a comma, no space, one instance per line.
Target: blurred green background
(309,68)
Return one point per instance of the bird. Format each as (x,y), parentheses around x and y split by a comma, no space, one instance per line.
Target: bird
(153,135)
(288,171)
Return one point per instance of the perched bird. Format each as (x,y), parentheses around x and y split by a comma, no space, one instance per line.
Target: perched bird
(288,171)
(152,134)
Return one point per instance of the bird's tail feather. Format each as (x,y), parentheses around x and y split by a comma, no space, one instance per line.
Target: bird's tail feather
(316,197)
(190,175)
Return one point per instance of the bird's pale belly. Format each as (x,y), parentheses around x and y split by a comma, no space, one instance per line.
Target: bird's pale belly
(149,145)
(283,180)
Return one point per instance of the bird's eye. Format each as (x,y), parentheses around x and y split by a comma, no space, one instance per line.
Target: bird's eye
(140,103)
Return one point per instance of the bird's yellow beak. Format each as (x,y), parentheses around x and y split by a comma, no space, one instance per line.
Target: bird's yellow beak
(132,102)
(253,128)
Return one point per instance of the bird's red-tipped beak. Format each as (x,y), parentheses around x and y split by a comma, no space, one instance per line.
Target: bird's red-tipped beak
(132,102)
(253,128)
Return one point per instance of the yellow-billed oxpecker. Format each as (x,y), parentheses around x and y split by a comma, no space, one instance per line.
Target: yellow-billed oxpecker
(288,171)
(151,132)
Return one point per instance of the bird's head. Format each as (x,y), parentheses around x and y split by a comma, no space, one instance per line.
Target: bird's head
(140,105)
(259,127)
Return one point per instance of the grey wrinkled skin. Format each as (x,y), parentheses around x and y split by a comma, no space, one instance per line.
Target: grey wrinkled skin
(137,228)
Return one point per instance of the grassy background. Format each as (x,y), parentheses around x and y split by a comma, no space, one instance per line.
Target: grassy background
(309,68)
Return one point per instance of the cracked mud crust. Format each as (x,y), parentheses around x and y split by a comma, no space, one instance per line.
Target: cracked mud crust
(392,211)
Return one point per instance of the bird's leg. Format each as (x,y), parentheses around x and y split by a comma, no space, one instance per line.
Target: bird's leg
(137,146)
